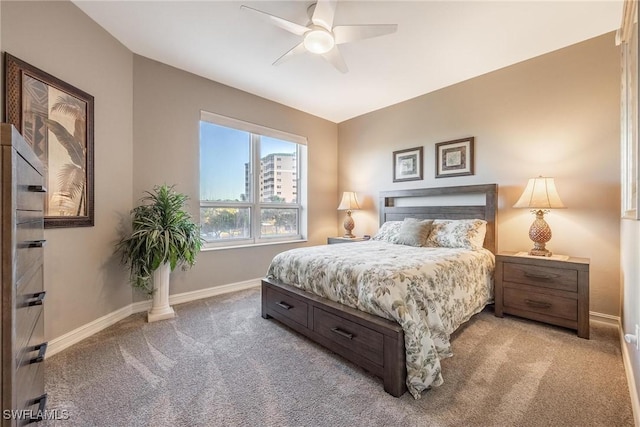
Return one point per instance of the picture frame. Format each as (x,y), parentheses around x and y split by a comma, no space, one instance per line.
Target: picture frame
(408,165)
(455,158)
(57,120)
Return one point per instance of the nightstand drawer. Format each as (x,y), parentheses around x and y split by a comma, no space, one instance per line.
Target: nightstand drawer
(288,306)
(551,305)
(546,277)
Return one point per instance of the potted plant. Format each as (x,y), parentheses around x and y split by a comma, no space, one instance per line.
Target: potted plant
(163,236)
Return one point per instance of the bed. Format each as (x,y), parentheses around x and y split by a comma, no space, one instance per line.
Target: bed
(390,308)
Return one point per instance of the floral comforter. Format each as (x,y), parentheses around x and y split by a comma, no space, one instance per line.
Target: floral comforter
(428,291)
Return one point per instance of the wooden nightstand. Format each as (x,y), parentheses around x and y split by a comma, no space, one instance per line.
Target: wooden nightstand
(333,240)
(544,289)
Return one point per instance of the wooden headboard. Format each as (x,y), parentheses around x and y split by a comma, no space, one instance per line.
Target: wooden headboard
(487,211)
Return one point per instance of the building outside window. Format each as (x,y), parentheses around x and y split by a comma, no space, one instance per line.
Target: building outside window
(240,203)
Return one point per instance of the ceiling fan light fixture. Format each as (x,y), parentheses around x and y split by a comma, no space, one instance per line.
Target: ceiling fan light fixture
(319,41)
(320,36)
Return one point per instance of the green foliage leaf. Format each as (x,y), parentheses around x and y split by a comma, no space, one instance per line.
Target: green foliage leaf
(162,231)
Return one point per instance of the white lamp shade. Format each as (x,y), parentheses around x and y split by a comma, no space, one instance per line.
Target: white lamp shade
(540,193)
(349,201)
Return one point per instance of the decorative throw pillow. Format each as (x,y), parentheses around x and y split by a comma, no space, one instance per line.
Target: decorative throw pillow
(460,233)
(414,232)
(388,232)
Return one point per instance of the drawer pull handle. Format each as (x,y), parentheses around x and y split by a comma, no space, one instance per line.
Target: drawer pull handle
(284,305)
(42,351)
(539,276)
(37,189)
(538,304)
(42,404)
(342,333)
(37,299)
(36,243)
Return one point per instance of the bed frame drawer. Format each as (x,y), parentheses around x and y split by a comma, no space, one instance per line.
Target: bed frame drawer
(369,341)
(352,336)
(288,306)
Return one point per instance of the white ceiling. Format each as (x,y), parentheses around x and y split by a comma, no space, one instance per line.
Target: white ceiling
(438,43)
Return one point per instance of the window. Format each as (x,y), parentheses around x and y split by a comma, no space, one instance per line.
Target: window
(240,202)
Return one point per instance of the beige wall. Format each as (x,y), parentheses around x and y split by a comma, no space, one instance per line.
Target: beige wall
(167,104)
(556,115)
(82,279)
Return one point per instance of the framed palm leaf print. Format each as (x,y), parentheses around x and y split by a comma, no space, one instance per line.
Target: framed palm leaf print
(57,120)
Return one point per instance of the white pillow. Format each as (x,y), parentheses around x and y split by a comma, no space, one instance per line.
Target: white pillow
(388,232)
(414,232)
(458,233)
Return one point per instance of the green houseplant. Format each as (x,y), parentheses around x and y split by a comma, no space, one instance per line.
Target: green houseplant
(163,236)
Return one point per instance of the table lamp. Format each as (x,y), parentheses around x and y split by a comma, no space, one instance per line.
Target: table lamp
(540,196)
(349,203)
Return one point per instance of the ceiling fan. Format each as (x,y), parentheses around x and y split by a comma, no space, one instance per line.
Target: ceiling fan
(320,36)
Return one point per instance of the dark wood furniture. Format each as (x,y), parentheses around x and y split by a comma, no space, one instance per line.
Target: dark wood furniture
(335,240)
(543,289)
(371,342)
(23,346)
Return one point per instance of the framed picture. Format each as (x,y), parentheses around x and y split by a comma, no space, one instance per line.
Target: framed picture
(56,119)
(407,165)
(454,158)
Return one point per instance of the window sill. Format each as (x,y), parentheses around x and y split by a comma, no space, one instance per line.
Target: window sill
(251,245)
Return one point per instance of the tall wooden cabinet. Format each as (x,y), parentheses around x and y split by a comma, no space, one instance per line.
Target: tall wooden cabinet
(22,237)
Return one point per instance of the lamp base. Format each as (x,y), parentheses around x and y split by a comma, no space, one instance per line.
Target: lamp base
(538,252)
(540,234)
(349,224)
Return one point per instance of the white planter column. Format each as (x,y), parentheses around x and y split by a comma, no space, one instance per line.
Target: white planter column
(160,308)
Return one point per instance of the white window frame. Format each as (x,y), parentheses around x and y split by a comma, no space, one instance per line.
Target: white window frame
(255,204)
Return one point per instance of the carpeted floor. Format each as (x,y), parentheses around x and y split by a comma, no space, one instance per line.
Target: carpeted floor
(220,364)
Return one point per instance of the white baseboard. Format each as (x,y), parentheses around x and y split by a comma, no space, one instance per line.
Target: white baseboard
(626,359)
(628,368)
(60,343)
(604,318)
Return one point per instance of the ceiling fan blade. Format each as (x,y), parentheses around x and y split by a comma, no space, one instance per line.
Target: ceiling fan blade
(292,27)
(296,50)
(350,33)
(324,12)
(335,58)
